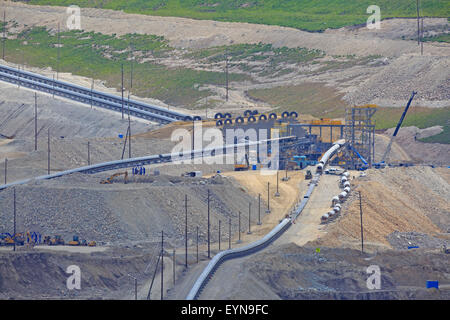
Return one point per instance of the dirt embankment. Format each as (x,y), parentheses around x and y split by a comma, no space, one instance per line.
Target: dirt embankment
(393,199)
(293,272)
(124,213)
(42,275)
(421,152)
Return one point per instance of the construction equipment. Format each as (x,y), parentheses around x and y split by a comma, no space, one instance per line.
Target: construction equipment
(366,165)
(299,162)
(388,149)
(57,240)
(92,244)
(75,241)
(109,180)
(33,238)
(6,239)
(192,174)
(308,175)
(242,166)
(19,239)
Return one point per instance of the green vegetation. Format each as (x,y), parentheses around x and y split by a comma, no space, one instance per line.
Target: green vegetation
(301,14)
(257,52)
(100,56)
(438,38)
(314,99)
(347,62)
(270,61)
(418,117)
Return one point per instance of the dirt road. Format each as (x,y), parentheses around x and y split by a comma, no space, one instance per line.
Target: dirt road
(227,280)
(307,226)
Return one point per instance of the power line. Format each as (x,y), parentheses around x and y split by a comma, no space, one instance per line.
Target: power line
(361,214)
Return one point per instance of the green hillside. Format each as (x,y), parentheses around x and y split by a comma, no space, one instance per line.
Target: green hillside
(302,14)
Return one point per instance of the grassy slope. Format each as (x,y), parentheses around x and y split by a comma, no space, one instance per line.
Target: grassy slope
(439,38)
(100,56)
(311,98)
(301,14)
(419,117)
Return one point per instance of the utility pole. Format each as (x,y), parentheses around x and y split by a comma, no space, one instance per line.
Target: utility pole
(229,234)
(162,265)
(186,231)
(418,29)
(4,34)
(197,244)
(286,170)
(153,278)
(6,169)
(193,139)
(361,214)
(277,194)
(219,233)
(14,189)
(125,143)
(89,153)
(259,209)
(35,122)
(421,38)
(239,228)
(129,128)
(48,147)
(268,197)
(131,75)
(226,75)
(121,89)
(249,214)
(209,239)
(18,75)
(92,89)
(174,264)
(58,53)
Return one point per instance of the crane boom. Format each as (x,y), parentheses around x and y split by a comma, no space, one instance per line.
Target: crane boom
(388,149)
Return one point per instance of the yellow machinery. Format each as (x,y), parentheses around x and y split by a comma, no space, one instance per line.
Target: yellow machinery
(6,240)
(74,242)
(77,242)
(326,121)
(57,240)
(109,180)
(242,166)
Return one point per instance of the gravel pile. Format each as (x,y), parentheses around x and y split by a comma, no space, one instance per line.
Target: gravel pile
(126,213)
(392,85)
(403,240)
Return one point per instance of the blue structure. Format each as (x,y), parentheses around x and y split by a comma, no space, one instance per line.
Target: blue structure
(432,284)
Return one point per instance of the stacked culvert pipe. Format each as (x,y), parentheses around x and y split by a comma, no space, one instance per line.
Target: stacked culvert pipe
(334,201)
